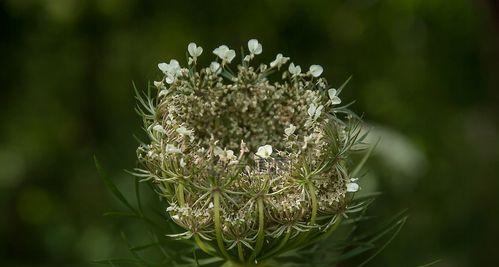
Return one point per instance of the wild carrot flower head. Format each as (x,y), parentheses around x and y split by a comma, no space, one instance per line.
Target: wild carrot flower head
(249,156)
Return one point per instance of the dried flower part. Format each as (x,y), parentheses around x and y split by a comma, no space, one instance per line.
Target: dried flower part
(250,157)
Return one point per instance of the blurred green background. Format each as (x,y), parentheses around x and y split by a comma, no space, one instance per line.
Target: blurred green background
(425,74)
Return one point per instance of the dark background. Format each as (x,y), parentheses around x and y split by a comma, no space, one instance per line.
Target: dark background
(425,74)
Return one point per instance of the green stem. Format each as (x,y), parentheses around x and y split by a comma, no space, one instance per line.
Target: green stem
(218,227)
(240,252)
(261,231)
(180,194)
(313,197)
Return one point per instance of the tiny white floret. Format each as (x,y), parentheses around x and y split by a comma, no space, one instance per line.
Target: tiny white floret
(254,47)
(315,70)
(264,151)
(159,128)
(171,70)
(333,95)
(183,131)
(290,130)
(224,53)
(352,187)
(294,70)
(215,67)
(171,149)
(194,50)
(314,110)
(279,61)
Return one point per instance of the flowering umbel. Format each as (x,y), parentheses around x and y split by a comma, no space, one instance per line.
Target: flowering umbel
(253,160)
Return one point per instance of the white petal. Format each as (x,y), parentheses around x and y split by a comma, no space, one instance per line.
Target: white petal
(220,51)
(230,55)
(316,70)
(311,110)
(258,50)
(163,67)
(215,67)
(218,151)
(172,149)
(199,51)
(276,61)
(294,70)
(159,84)
(336,100)
(174,64)
(290,130)
(264,151)
(331,92)
(169,79)
(192,49)
(352,187)
(159,128)
(183,131)
(252,45)
(318,111)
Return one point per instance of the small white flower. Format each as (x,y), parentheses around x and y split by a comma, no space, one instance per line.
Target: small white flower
(218,151)
(183,131)
(229,155)
(352,187)
(194,50)
(264,151)
(335,100)
(163,92)
(290,130)
(315,70)
(224,154)
(182,163)
(160,85)
(210,206)
(215,67)
(254,47)
(159,128)
(164,67)
(306,140)
(224,53)
(172,70)
(315,111)
(171,149)
(175,217)
(279,61)
(294,70)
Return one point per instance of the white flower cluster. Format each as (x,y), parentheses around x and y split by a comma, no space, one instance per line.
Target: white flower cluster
(242,154)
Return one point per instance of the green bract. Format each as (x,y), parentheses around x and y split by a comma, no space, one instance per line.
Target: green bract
(254,159)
